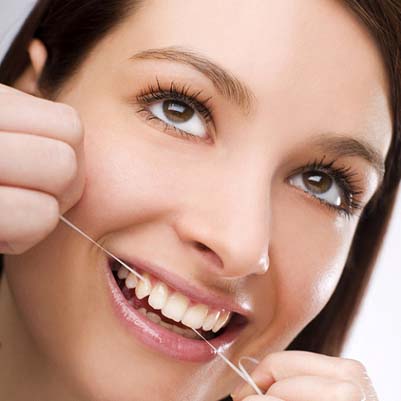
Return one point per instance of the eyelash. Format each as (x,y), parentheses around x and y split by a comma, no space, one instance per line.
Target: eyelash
(183,93)
(343,176)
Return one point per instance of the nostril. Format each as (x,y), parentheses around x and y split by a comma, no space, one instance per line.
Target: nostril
(209,254)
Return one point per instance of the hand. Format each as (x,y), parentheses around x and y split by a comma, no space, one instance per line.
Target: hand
(41,167)
(308,376)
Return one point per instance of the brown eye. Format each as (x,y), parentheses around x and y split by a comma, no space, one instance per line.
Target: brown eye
(316,181)
(179,115)
(319,185)
(177,111)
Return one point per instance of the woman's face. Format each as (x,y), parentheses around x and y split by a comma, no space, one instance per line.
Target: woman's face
(197,156)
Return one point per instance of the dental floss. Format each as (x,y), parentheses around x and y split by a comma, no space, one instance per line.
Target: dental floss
(74,227)
(241,371)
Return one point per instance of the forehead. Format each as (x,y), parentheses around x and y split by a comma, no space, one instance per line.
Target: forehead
(267,37)
(305,57)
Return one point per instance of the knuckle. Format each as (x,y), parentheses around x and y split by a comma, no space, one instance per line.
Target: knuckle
(346,391)
(74,123)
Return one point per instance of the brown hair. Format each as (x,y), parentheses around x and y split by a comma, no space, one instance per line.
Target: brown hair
(71,28)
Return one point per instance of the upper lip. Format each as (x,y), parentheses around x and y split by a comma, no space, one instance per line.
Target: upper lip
(194,292)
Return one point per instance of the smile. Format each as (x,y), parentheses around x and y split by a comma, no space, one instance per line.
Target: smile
(163,317)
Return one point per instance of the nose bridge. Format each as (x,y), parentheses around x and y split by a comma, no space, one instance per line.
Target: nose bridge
(233,225)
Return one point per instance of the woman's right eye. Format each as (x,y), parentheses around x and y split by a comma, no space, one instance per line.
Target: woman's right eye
(179,115)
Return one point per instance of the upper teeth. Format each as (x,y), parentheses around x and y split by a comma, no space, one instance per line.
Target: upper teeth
(175,305)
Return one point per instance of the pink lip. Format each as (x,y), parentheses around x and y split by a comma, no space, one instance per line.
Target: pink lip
(163,340)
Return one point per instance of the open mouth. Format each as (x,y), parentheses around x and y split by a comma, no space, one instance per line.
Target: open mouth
(171,309)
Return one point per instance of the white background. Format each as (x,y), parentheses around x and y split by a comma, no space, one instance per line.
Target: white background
(376,336)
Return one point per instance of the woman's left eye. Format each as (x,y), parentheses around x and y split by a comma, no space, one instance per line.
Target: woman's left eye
(179,115)
(321,185)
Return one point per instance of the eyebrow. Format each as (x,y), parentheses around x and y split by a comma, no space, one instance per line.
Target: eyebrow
(236,91)
(226,84)
(340,145)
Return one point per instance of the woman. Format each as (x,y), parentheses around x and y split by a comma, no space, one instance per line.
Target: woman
(243,159)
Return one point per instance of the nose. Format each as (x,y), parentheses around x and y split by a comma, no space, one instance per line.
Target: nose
(228,227)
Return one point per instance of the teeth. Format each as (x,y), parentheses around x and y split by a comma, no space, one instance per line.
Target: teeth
(195,316)
(131,281)
(122,273)
(211,320)
(158,296)
(144,287)
(222,321)
(175,306)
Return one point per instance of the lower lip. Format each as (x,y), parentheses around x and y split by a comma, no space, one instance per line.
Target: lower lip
(163,340)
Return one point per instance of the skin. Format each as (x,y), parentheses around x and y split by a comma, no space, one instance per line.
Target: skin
(134,186)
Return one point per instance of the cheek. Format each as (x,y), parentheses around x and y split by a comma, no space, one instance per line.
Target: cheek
(135,175)
(309,259)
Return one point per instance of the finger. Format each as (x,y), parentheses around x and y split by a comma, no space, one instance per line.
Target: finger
(314,388)
(30,114)
(281,365)
(26,217)
(35,162)
(310,388)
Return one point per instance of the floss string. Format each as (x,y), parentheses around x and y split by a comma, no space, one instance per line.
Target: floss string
(74,227)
